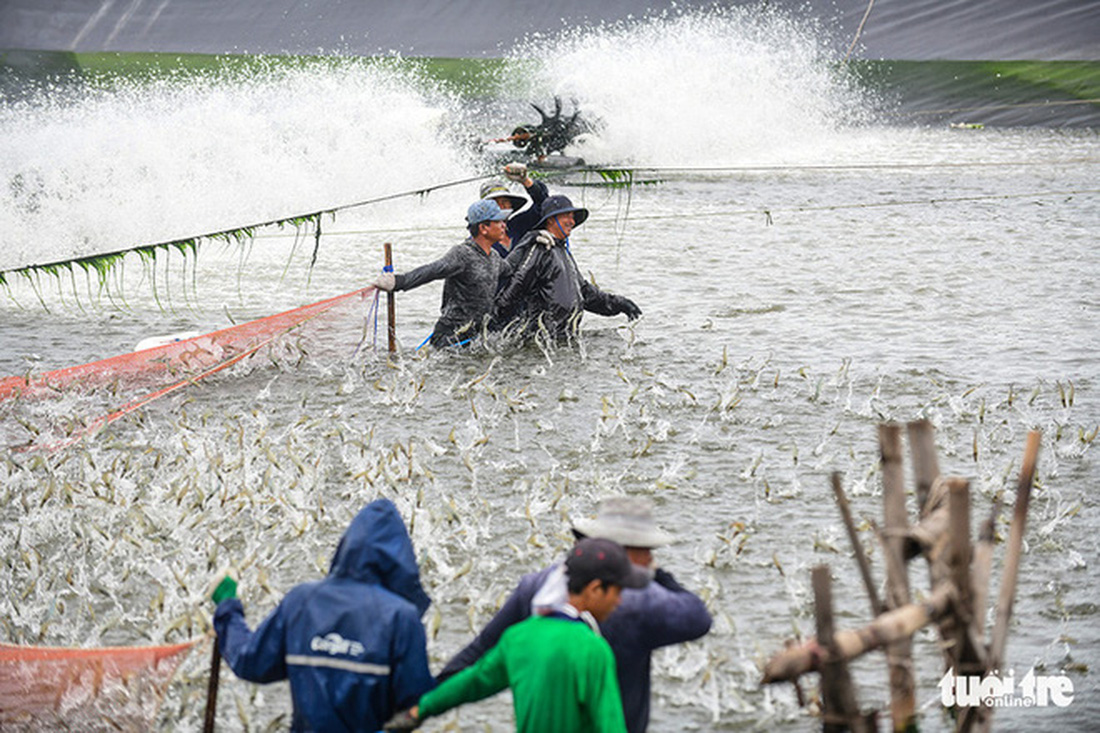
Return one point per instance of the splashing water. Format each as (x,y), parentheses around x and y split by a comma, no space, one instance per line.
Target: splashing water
(97,169)
(729,86)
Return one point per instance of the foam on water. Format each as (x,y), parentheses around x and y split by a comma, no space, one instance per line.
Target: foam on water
(729,86)
(92,169)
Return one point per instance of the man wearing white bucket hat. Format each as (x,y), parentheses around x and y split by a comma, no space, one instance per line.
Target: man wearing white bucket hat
(660,614)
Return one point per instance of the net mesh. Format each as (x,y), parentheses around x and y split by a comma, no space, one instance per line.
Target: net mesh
(108,688)
(172,362)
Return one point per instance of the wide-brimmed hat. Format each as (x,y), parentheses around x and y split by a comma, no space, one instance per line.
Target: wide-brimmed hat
(555,205)
(599,559)
(498,189)
(485,210)
(627,520)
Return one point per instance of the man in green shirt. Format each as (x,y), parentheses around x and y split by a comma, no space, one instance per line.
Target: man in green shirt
(562,673)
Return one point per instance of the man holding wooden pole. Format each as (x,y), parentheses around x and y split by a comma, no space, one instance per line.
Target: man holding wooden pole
(470,271)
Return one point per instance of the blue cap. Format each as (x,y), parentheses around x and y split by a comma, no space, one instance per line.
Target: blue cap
(485,210)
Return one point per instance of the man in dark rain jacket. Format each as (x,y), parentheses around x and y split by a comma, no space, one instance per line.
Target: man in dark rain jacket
(470,272)
(542,286)
(660,614)
(352,645)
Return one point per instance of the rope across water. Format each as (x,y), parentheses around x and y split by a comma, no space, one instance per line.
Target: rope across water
(617,176)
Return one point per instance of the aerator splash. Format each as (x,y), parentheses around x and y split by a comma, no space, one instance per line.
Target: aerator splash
(552,134)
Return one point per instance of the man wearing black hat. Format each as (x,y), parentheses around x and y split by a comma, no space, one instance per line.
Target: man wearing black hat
(561,672)
(543,289)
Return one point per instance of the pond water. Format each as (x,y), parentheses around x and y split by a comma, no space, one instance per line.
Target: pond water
(806,271)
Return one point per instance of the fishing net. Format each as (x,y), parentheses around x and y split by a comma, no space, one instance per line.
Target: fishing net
(167,368)
(177,361)
(109,688)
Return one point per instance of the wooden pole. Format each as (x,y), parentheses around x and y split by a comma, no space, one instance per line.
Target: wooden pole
(1012,555)
(857,546)
(926,468)
(983,568)
(212,689)
(968,659)
(392,319)
(840,711)
(899,654)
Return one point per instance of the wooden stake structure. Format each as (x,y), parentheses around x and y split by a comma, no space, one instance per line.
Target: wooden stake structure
(959,574)
(391,321)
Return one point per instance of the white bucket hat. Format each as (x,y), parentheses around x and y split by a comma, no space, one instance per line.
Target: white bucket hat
(627,520)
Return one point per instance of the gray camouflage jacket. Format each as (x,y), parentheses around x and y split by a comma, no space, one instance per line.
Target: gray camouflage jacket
(470,281)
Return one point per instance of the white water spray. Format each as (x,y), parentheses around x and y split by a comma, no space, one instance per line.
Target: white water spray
(731,86)
(97,170)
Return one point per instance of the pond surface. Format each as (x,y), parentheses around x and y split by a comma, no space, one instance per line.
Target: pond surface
(806,273)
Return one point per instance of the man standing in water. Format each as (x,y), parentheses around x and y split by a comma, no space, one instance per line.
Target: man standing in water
(661,614)
(542,287)
(470,272)
(352,644)
(519,222)
(562,674)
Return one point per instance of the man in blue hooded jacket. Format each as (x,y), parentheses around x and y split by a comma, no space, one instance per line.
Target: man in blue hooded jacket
(352,644)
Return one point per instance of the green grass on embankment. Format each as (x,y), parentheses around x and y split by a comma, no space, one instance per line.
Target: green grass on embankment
(925,89)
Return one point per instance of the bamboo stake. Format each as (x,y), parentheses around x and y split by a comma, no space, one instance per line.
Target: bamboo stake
(934,521)
(968,658)
(392,328)
(983,568)
(840,711)
(922,450)
(857,546)
(939,537)
(212,690)
(897,624)
(903,702)
(1012,555)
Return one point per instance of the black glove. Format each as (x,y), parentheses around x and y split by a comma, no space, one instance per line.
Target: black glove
(663,577)
(627,307)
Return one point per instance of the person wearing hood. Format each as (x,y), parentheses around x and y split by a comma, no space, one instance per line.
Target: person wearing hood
(522,217)
(542,287)
(352,645)
(660,614)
